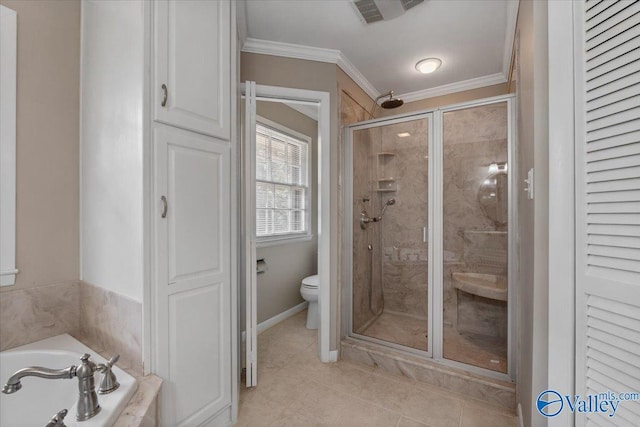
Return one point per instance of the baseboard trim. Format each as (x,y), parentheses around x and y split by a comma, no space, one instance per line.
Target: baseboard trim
(333,356)
(271,322)
(520,420)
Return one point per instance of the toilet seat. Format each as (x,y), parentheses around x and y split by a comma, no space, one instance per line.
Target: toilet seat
(310,282)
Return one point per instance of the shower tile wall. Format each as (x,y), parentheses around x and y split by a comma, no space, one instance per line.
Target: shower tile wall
(352,112)
(473,139)
(404,265)
(399,253)
(364,270)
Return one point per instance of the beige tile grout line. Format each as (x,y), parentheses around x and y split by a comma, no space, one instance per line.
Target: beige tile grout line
(401,415)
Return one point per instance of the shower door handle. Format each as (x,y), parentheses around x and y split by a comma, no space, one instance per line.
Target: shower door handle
(425,234)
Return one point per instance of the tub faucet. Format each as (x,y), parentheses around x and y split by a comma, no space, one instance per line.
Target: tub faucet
(87,400)
(58,419)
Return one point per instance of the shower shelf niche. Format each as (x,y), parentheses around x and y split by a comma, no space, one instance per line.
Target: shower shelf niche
(386,172)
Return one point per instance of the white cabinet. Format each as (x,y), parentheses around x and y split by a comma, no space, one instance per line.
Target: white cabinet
(135,152)
(193,274)
(192,63)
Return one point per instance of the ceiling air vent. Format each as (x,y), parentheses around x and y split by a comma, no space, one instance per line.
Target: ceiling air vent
(408,4)
(383,10)
(368,10)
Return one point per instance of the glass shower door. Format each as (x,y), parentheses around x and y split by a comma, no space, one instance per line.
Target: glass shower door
(390,284)
(475,152)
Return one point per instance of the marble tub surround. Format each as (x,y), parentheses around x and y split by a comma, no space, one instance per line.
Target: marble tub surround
(500,394)
(112,324)
(32,314)
(142,410)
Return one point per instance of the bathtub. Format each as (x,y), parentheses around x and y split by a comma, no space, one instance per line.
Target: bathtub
(40,399)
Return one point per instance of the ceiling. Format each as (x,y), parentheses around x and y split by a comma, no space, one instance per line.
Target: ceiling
(472,37)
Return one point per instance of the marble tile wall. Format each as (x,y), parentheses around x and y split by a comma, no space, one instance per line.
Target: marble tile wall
(111,324)
(33,314)
(404,264)
(366,263)
(352,112)
(473,138)
(399,254)
(107,322)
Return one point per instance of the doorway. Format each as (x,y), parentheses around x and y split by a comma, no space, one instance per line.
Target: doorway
(303,219)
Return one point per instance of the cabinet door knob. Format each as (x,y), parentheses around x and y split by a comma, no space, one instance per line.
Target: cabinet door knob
(164,207)
(165,94)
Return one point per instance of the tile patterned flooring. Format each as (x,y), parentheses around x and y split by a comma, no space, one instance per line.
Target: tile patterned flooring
(296,389)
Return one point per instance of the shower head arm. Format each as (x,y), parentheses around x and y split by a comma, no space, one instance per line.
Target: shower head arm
(375,102)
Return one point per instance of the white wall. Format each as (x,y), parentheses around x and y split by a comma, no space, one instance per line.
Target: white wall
(111,146)
(533,215)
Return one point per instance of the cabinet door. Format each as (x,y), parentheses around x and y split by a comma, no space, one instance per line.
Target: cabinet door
(193,282)
(192,65)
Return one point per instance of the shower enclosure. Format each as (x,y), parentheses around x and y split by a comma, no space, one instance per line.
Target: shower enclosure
(428,201)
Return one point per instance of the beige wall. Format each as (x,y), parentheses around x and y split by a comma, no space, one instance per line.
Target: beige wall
(289,263)
(532,85)
(47,142)
(441,101)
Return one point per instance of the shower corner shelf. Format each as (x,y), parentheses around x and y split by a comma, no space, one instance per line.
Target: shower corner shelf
(386,171)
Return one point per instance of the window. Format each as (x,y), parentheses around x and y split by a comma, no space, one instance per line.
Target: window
(282,182)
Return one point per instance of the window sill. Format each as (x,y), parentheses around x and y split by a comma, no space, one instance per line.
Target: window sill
(264,242)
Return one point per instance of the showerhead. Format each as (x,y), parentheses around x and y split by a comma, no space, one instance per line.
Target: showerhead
(389,202)
(388,104)
(392,103)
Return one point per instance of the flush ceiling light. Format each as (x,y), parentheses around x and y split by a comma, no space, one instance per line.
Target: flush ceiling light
(404,134)
(429,65)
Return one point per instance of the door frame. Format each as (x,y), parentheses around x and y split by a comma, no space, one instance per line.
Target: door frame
(347,238)
(322,99)
(563,22)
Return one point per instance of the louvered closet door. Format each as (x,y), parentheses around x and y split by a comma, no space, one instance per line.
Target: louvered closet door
(608,204)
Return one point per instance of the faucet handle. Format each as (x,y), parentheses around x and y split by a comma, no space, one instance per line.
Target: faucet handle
(109,381)
(58,419)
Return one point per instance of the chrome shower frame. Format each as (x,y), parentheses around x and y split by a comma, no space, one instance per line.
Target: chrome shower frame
(435,239)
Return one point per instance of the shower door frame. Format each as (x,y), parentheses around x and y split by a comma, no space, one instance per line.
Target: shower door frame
(348,228)
(435,286)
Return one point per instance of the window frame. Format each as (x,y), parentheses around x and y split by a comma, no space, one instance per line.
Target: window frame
(276,239)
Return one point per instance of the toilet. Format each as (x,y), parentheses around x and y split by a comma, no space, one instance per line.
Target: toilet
(309,291)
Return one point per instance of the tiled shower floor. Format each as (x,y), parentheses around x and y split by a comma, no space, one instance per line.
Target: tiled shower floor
(296,389)
(478,350)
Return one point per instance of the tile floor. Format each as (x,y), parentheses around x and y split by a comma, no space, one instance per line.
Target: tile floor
(474,349)
(296,389)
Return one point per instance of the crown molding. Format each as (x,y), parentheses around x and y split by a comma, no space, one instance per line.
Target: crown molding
(334,56)
(309,53)
(355,74)
(290,50)
(475,83)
